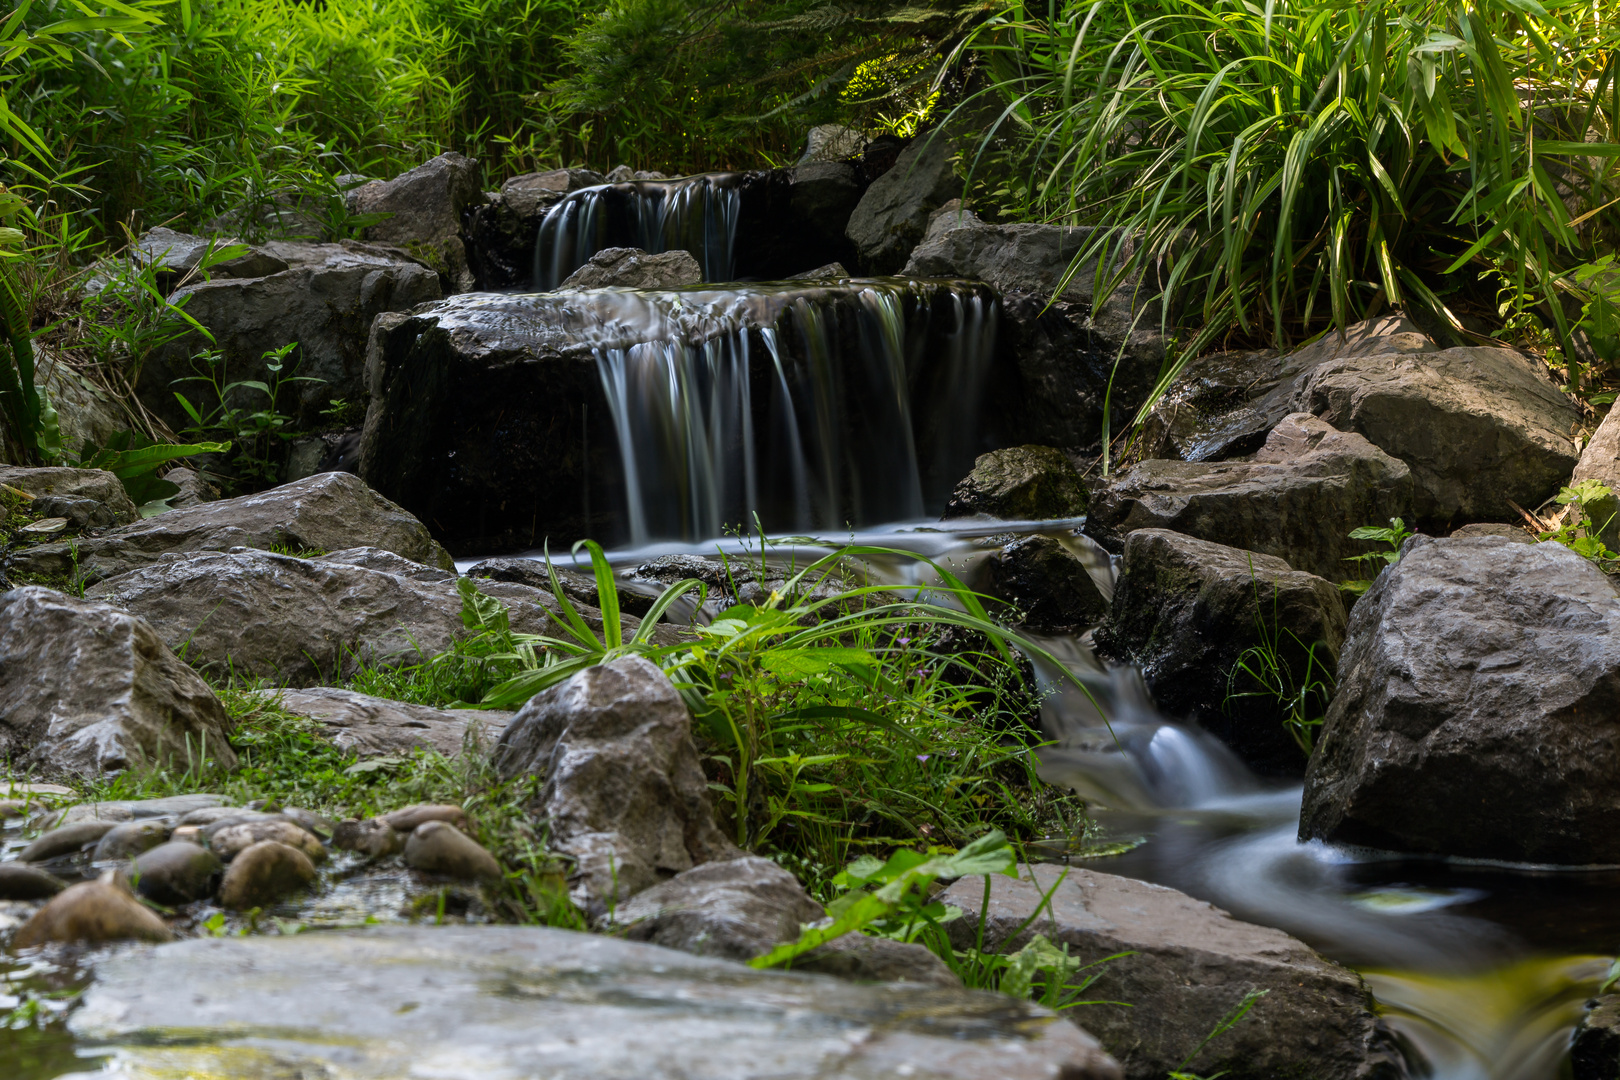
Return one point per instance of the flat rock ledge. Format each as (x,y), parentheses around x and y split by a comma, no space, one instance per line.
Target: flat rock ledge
(475,1002)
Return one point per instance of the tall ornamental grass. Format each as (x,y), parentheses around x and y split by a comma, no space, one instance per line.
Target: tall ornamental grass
(1287,166)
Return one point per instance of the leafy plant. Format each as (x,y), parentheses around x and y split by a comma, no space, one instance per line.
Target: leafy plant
(30,417)
(1590,508)
(257,432)
(1272,669)
(1222,1026)
(134,459)
(1394,536)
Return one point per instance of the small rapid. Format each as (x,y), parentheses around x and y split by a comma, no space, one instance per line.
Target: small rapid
(1480,972)
(693,213)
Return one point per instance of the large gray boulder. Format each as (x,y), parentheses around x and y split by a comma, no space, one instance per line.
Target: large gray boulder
(1020,482)
(60,482)
(370,726)
(1187,965)
(624,795)
(305,621)
(325,512)
(1477,690)
(324,297)
(1047,583)
(1185,610)
(426,206)
(476,1002)
(1481,428)
(1298,498)
(736,909)
(88,689)
(632,268)
(1071,349)
(892,216)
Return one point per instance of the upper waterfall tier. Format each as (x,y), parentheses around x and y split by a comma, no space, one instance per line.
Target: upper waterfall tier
(696,213)
(632,416)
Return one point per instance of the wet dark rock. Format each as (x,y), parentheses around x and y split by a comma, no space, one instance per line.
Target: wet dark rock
(1190,963)
(1474,711)
(264,873)
(131,838)
(177,872)
(407,818)
(438,847)
(369,726)
(859,958)
(736,909)
(1020,483)
(58,482)
(502,231)
(1047,584)
(1069,350)
(374,838)
(1594,1053)
(88,689)
(624,795)
(632,268)
(324,300)
(233,839)
(19,881)
(426,207)
(1185,610)
(892,215)
(325,512)
(824,195)
(391,1000)
(303,622)
(92,911)
(1298,498)
(65,840)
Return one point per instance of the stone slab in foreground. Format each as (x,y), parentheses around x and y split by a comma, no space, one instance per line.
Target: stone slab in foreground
(474,1003)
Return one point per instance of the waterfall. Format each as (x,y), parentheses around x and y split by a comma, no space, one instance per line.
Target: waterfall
(695,213)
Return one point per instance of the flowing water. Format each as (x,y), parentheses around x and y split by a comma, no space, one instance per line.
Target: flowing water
(1481,971)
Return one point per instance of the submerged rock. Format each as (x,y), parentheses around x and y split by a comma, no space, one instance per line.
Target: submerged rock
(325,512)
(369,726)
(1020,483)
(177,872)
(632,268)
(736,909)
(1188,964)
(1185,610)
(1474,711)
(65,840)
(92,911)
(473,1002)
(1298,498)
(263,873)
(438,847)
(88,689)
(624,795)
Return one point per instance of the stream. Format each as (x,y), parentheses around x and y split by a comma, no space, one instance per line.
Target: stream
(1482,971)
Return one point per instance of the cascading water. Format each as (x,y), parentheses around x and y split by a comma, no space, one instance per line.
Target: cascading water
(695,213)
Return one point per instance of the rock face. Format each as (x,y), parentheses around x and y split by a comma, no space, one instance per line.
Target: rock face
(1185,610)
(1068,348)
(1477,426)
(502,230)
(57,482)
(824,195)
(369,726)
(1297,498)
(88,689)
(624,794)
(1191,963)
(737,910)
(325,512)
(1047,584)
(324,297)
(1474,716)
(1020,483)
(632,268)
(301,622)
(891,217)
(463,1003)
(427,206)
